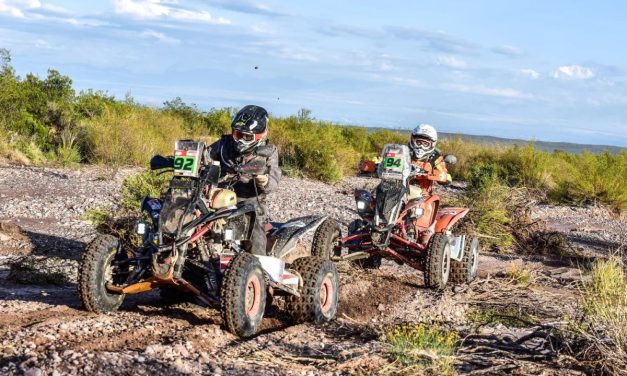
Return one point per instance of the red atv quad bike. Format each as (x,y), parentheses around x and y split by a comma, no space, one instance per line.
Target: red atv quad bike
(407,224)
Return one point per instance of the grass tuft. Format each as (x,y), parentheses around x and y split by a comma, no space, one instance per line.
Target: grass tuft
(605,308)
(423,346)
(510,317)
(519,274)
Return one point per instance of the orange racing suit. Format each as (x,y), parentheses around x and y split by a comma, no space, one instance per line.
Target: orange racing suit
(435,169)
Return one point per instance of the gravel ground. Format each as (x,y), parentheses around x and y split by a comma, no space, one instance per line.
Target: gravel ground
(594,228)
(43,329)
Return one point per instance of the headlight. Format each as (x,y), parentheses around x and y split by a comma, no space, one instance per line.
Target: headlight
(228,234)
(361,205)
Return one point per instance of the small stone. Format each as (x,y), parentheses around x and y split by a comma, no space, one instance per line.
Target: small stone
(381,307)
(181,350)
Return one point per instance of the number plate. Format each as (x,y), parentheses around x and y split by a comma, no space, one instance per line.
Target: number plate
(396,163)
(187,157)
(393,163)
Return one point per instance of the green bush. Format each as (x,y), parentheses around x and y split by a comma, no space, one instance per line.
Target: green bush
(120,138)
(136,187)
(488,199)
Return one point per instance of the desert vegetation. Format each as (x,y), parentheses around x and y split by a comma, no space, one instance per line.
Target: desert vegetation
(44,121)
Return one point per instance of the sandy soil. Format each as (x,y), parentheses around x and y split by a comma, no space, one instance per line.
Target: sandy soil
(44,330)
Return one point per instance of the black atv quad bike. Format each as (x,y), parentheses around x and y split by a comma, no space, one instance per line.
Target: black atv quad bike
(196,241)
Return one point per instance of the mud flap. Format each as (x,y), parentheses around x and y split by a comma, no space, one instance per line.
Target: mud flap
(283,239)
(457,246)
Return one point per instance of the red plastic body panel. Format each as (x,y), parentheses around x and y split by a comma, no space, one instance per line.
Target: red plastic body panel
(447,217)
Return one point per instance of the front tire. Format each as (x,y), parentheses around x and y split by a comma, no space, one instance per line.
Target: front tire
(243,295)
(465,271)
(96,270)
(325,239)
(320,291)
(438,262)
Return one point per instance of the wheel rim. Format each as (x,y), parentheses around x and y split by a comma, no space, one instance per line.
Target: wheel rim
(108,269)
(252,297)
(326,294)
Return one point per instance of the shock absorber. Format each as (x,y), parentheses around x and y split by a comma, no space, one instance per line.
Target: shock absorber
(213,275)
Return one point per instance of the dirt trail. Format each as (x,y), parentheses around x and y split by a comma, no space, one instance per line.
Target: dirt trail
(43,329)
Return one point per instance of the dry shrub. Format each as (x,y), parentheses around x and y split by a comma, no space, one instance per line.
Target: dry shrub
(131,137)
(531,235)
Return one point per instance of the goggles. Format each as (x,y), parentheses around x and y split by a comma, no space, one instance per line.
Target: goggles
(420,141)
(244,137)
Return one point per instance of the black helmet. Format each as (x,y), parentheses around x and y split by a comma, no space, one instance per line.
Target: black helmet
(249,127)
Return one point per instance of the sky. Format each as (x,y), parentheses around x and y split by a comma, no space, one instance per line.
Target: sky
(540,70)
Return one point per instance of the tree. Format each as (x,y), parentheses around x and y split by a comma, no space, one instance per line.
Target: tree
(58,87)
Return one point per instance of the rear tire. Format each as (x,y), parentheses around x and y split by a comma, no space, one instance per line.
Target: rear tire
(243,295)
(438,262)
(325,239)
(319,292)
(96,270)
(465,271)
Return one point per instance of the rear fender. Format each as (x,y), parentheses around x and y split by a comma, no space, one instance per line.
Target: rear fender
(283,238)
(447,217)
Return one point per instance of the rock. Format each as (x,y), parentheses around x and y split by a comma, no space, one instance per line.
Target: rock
(181,350)
(35,371)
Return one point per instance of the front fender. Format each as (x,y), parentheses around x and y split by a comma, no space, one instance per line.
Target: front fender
(447,217)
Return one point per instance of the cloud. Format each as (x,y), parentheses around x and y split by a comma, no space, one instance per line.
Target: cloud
(534,75)
(435,40)
(336,30)
(573,72)
(151,34)
(483,90)
(16,8)
(154,9)
(246,6)
(508,50)
(451,62)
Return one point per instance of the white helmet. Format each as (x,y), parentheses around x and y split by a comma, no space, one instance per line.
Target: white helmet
(423,140)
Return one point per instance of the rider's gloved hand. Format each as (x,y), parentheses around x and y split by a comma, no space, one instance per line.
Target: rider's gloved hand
(261,180)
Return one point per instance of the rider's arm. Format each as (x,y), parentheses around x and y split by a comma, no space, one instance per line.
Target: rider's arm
(214,150)
(274,173)
(440,173)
